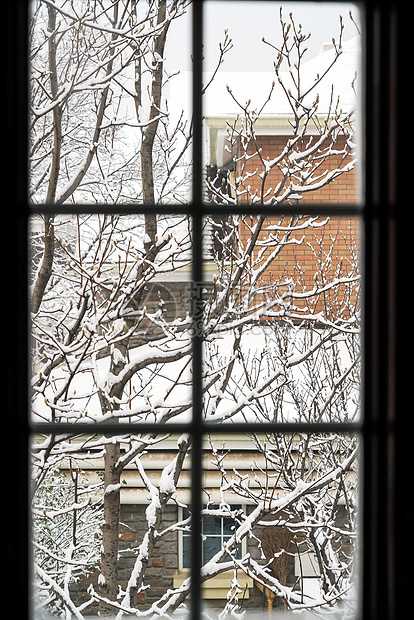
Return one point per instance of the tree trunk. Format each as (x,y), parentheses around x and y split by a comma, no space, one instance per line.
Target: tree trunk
(57,110)
(110,531)
(149,132)
(45,270)
(112,474)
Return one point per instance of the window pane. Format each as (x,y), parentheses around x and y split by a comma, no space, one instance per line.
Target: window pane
(186,551)
(110,122)
(106,520)
(212,525)
(229,524)
(111,333)
(294,543)
(211,545)
(281,113)
(293,501)
(282,319)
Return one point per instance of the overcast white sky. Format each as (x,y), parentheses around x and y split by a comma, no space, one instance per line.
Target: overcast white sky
(249,21)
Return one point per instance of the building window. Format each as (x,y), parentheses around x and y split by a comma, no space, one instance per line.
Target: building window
(216,530)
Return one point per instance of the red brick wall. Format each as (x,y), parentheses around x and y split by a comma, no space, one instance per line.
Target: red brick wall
(324,253)
(341,190)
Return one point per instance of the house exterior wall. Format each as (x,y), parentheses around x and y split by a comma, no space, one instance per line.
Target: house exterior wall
(165,570)
(343,190)
(164,567)
(320,254)
(165,562)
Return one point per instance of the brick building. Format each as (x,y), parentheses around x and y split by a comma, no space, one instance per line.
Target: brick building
(253,169)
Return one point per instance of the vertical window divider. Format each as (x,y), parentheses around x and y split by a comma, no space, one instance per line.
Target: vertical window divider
(197,277)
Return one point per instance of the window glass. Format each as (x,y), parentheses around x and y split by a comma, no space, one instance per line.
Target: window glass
(282,319)
(110,113)
(281,113)
(117,312)
(218,527)
(294,537)
(110,320)
(95,491)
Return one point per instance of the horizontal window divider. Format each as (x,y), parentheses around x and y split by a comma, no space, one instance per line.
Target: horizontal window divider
(194,209)
(198,428)
(80,209)
(285,209)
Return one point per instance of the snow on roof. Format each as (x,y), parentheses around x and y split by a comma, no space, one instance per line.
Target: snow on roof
(217,102)
(255,86)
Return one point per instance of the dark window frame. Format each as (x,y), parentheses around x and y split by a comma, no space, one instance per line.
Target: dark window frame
(387,425)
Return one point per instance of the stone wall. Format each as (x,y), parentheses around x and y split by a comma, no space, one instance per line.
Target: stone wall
(164,563)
